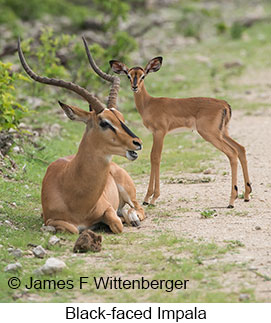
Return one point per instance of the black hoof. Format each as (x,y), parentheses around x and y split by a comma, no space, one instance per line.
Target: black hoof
(246,200)
(230,206)
(145,203)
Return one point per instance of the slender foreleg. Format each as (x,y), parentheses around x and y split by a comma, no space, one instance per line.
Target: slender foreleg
(154,182)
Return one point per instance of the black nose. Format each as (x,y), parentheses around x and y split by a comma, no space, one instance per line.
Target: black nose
(134,87)
(136,143)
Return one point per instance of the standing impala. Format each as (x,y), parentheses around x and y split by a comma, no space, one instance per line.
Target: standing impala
(210,117)
(81,190)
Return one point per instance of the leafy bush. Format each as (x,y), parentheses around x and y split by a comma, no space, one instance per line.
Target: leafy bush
(236,30)
(76,67)
(11,111)
(108,12)
(49,62)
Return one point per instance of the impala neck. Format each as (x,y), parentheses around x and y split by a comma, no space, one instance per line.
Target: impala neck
(142,99)
(89,169)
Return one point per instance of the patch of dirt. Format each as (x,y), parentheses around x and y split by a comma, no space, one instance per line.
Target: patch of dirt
(249,223)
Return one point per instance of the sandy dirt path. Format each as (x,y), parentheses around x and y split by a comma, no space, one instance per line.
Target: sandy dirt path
(249,223)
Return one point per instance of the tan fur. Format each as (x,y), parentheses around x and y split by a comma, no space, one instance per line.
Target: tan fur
(81,190)
(162,115)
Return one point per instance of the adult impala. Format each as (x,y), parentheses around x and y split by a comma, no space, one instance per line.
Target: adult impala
(210,117)
(81,190)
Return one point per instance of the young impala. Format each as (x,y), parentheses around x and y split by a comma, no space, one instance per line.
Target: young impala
(81,190)
(210,117)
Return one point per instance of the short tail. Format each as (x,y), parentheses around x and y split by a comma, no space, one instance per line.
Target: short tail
(226,116)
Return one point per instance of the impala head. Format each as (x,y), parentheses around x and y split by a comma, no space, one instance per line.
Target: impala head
(107,129)
(136,75)
(105,124)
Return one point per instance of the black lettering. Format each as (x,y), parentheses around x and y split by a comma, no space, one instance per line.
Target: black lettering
(82,281)
(70,313)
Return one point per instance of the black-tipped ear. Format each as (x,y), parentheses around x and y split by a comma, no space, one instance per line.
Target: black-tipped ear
(118,67)
(68,110)
(75,113)
(154,64)
(90,108)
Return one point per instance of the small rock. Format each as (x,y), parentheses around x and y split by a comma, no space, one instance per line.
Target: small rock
(55,129)
(8,222)
(13,267)
(48,228)
(17,253)
(233,64)
(16,295)
(202,59)
(16,149)
(53,240)
(34,102)
(13,204)
(51,266)
(179,78)
(39,252)
(258,227)
(207,171)
(244,297)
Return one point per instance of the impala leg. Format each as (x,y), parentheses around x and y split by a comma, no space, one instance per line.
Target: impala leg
(217,140)
(243,160)
(61,225)
(139,210)
(111,218)
(154,183)
(127,193)
(150,187)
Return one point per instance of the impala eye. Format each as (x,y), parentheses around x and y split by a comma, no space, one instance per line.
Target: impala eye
(142,77)
(104,124)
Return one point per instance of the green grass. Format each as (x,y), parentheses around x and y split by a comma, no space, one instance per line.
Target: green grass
(162,256)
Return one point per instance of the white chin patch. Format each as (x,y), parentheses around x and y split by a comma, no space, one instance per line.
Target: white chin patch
(131,155)
(128,155)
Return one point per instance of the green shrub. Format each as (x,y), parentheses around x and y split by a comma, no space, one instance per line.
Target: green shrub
(11,111)
(236,30)
(77,68)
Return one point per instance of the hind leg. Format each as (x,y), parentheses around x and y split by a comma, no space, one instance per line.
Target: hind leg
(111,218)
(216,139)
(63,226)
(243,160)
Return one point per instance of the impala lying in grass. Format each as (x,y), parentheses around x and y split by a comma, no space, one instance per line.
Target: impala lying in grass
(87,188)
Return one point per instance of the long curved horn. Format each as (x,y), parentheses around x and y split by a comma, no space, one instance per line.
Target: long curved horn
(113,94)
(92,100)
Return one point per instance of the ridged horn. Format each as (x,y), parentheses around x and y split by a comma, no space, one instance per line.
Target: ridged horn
(90,98)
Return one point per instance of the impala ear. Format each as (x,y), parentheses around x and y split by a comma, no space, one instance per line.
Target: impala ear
(154,65)
(118,67)
(75,113)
